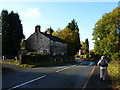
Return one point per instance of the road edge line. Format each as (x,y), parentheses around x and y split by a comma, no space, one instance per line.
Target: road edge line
(88,78)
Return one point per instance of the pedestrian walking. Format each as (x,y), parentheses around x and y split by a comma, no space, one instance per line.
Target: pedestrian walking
(103,64)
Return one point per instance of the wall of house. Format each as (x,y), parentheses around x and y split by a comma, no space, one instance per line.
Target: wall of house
(38,42)
(30,43)
(58,48)
(42,43)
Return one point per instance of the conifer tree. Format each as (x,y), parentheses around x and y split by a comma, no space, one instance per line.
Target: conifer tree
(12,33)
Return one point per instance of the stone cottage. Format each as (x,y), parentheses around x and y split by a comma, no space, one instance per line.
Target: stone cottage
(45,43)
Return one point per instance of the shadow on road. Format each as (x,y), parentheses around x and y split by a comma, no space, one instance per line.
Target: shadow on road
(94,82)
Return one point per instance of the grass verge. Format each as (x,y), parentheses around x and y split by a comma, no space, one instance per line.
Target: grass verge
(113,70)
(21,65)
(38,64)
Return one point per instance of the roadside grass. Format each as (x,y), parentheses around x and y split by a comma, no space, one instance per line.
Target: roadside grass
(113,71)
(16,63)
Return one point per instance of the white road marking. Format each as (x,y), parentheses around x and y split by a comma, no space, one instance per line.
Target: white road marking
(27,82)
(65,68)
(39,78)
(73,65)
(62,69)
(89,78)
(91,63)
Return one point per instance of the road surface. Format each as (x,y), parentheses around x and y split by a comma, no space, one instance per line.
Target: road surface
(60,76)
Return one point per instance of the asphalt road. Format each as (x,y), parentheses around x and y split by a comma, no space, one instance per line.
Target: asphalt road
(60,76)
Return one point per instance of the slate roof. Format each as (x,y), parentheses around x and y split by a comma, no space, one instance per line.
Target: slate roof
(51,37)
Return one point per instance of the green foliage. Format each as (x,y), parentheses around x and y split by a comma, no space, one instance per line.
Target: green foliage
(36,57)
(113,71)
(73,25)
(70,34)
(115,56)
(36,54)
(105,34)
(86,47)
(80,56)
(12,33)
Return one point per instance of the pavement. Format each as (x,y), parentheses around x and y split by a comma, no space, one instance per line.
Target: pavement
(95,83)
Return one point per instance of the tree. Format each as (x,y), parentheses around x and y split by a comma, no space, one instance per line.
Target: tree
(4,16)
(70,34)
(73,25)
(0,37)
(12,32)
(86,47)
(105,34)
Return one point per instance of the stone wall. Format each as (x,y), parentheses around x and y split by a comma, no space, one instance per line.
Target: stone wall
(38,42)
(58,48)
(42,43)
(30,43)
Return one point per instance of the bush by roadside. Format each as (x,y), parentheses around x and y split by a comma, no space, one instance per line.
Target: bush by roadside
(35,59)
(113,71)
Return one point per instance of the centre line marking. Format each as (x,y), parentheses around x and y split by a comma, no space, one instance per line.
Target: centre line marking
(27,82)
(65,68)
(73,65)
(62,69)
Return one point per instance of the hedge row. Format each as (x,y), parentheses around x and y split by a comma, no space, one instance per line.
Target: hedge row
(45,59)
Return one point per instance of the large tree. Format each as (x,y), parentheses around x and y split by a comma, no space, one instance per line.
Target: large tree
(70,34)
(105,34)
(12,33)
(72,25)
(86,47)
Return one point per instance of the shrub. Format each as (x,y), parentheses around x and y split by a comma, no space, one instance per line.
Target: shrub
(80,56)
(36,57)
(36,53)
(113,71)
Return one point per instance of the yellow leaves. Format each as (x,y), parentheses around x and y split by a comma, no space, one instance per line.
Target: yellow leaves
(76,31)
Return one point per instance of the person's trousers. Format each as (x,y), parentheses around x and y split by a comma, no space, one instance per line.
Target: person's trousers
(103,73)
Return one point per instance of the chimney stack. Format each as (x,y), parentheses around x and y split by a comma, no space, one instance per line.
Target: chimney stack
(37,28)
